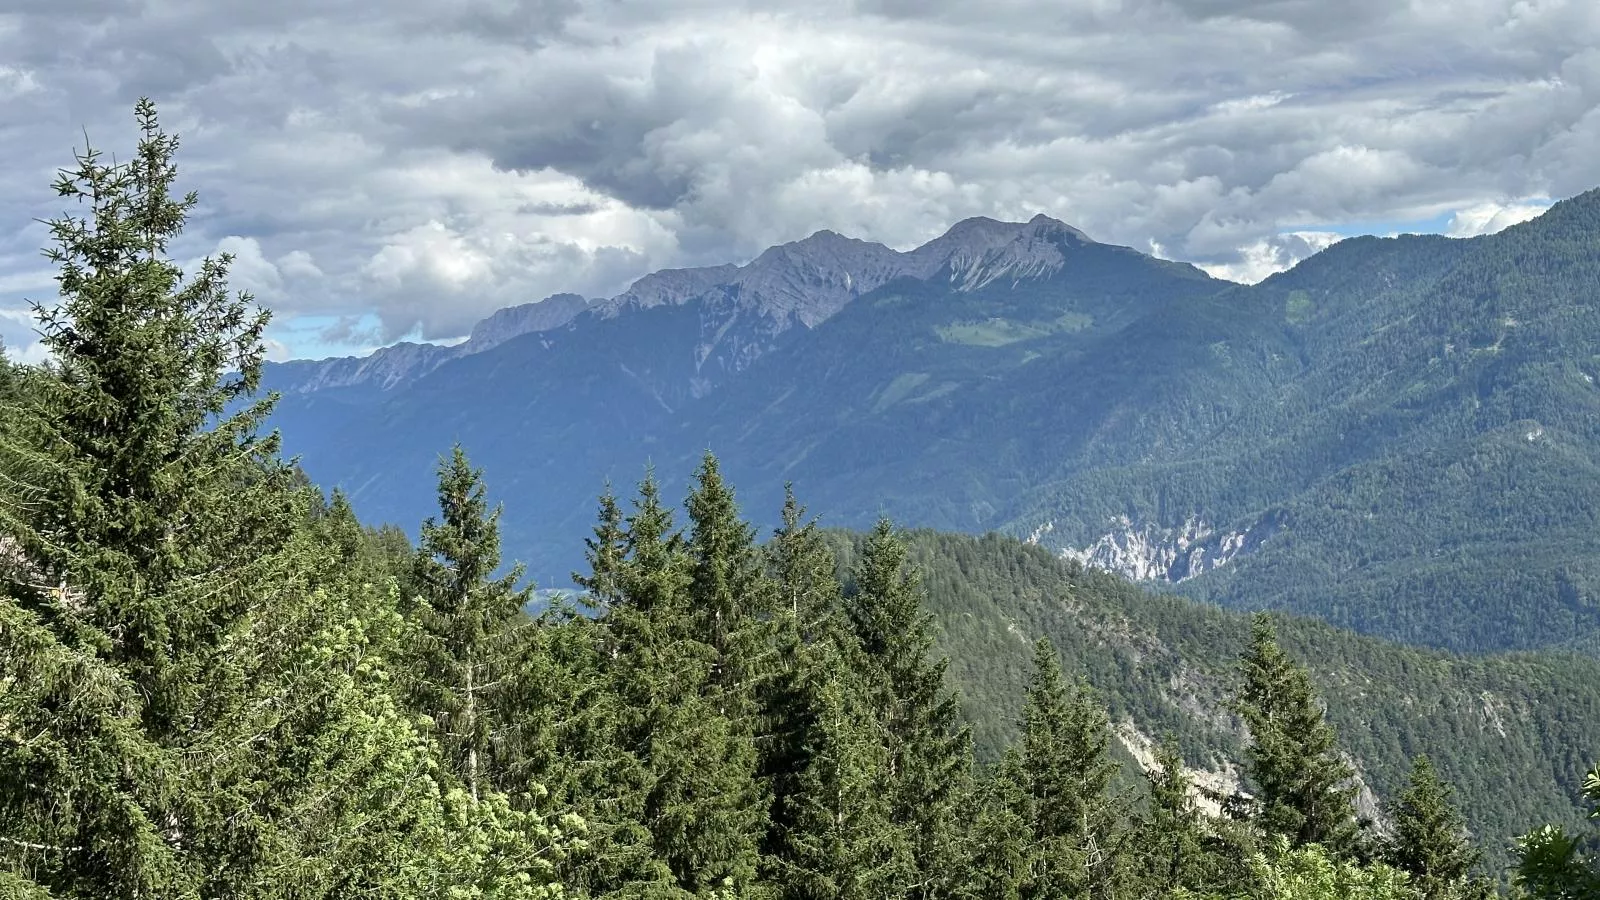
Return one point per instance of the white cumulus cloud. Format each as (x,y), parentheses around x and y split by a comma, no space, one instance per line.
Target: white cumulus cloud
(424,163)
(1490,217)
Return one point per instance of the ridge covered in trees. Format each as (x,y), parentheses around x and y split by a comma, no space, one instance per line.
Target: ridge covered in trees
(1513,733)
(1400,436)
(216,682)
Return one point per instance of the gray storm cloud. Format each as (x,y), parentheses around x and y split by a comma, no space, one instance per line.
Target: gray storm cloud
(431,162)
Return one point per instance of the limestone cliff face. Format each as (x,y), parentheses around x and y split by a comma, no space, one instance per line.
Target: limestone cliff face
(1143,551)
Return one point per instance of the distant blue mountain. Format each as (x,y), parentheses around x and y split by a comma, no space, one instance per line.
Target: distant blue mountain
(1400,435)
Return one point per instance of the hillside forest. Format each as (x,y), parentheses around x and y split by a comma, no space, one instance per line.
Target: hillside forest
(215,681)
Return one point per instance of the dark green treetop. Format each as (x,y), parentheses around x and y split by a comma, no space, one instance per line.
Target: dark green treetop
(1306,788)
(929,746)
(476,640)
(1429,839)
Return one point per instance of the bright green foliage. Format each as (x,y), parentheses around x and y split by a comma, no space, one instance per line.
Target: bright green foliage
(80,783)
(1313,873)
(1073,823)
(928,746)
(574,719)
(1429,840)
(1551,864)
(474,642)
(1306,790)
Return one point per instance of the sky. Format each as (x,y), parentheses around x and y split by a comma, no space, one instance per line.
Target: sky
(399,170)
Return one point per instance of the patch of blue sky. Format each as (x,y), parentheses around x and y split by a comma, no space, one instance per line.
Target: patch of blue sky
(322,336)
(1438,224)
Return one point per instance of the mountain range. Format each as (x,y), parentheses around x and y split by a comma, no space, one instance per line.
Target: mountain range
(1399,435)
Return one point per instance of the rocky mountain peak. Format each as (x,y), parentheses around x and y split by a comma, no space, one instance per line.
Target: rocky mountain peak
(981,251)
(668,287)
(814,278)
(1043,224)
(800,282)
(551,312)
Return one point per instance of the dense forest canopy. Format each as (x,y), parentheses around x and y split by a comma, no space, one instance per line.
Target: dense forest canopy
(216,682)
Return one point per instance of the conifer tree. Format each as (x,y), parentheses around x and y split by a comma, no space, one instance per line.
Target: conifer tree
(606,552)
(835,837)
(803,637)
(476,640)
(1170,836)
(196,695)
(595,758)
(729,603)
(658,571)
(1178,848)
(729,594)
(1306,788)
(1429,838)
(145,479)
(998,843)
(1066,775)
(147,518)
(695,797)
(928,748)
(804,569)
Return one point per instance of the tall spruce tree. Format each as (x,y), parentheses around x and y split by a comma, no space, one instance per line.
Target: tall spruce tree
(1307,790)
(146,479)
(1169,835)
(1066,776)
(835,837)
(1429,839)
(597,758)
(830,833)
(697,796)
(730,596)
(803,572)
(730,603)
(476,640)
(605,551)
(929,748)
(997,844)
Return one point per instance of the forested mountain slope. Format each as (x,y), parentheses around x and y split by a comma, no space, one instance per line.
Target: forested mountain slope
(1398,435)
(1512,732)
(639,377)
